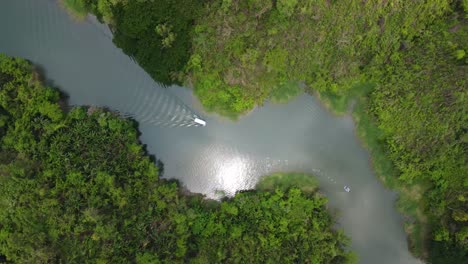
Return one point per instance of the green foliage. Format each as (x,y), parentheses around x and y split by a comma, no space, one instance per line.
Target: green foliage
(165,32)
(286,7)
(255,46)
(404,69)
(76,7)
(103,9)
(413,120)
(285,181)
(447,253)
(464,5)
(77,187)
(419,105)
(285,91)
(157,34)
(288,229)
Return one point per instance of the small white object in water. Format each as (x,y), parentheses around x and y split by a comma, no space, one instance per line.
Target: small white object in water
(347,189)
(200,121)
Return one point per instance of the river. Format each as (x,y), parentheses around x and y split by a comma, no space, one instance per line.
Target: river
(80,59)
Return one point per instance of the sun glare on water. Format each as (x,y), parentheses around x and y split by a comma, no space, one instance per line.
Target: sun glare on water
(232,174)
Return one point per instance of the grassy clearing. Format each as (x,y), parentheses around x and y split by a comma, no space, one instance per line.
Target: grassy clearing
(284,181)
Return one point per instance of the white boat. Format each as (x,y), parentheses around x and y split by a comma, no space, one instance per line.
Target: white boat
(347,189)
(200,121)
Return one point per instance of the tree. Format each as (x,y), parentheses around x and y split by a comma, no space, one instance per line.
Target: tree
(77,187)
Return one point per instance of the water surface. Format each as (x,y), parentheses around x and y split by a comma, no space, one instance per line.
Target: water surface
(80,59)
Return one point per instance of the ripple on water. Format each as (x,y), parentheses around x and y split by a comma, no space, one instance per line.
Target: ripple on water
(152,104)
(224,155)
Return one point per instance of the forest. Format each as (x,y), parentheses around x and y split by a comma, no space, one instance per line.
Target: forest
(76,186)
(402,63)
(157,34)
(419,105)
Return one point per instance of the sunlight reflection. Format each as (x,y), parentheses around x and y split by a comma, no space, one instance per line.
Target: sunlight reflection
(232,174)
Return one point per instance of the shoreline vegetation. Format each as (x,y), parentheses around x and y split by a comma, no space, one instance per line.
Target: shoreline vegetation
(285,181)
(402,64)
(76,8)
(79,187)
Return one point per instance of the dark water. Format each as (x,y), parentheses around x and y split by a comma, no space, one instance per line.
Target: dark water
(80,59)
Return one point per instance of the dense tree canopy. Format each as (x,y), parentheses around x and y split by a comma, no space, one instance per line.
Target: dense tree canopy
(157,33)
(280,227)
(420,104)
(247,51)
(406,59)
(77,187)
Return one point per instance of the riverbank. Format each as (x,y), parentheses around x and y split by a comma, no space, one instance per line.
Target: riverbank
(399,146)
(411,124)
(78,186)
(76,8)
(284,181)
(409,203)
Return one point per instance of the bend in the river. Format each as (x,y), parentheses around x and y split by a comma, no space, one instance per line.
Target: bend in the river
(80,59)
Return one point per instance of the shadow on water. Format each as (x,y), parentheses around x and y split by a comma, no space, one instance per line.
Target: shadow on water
(158,107)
